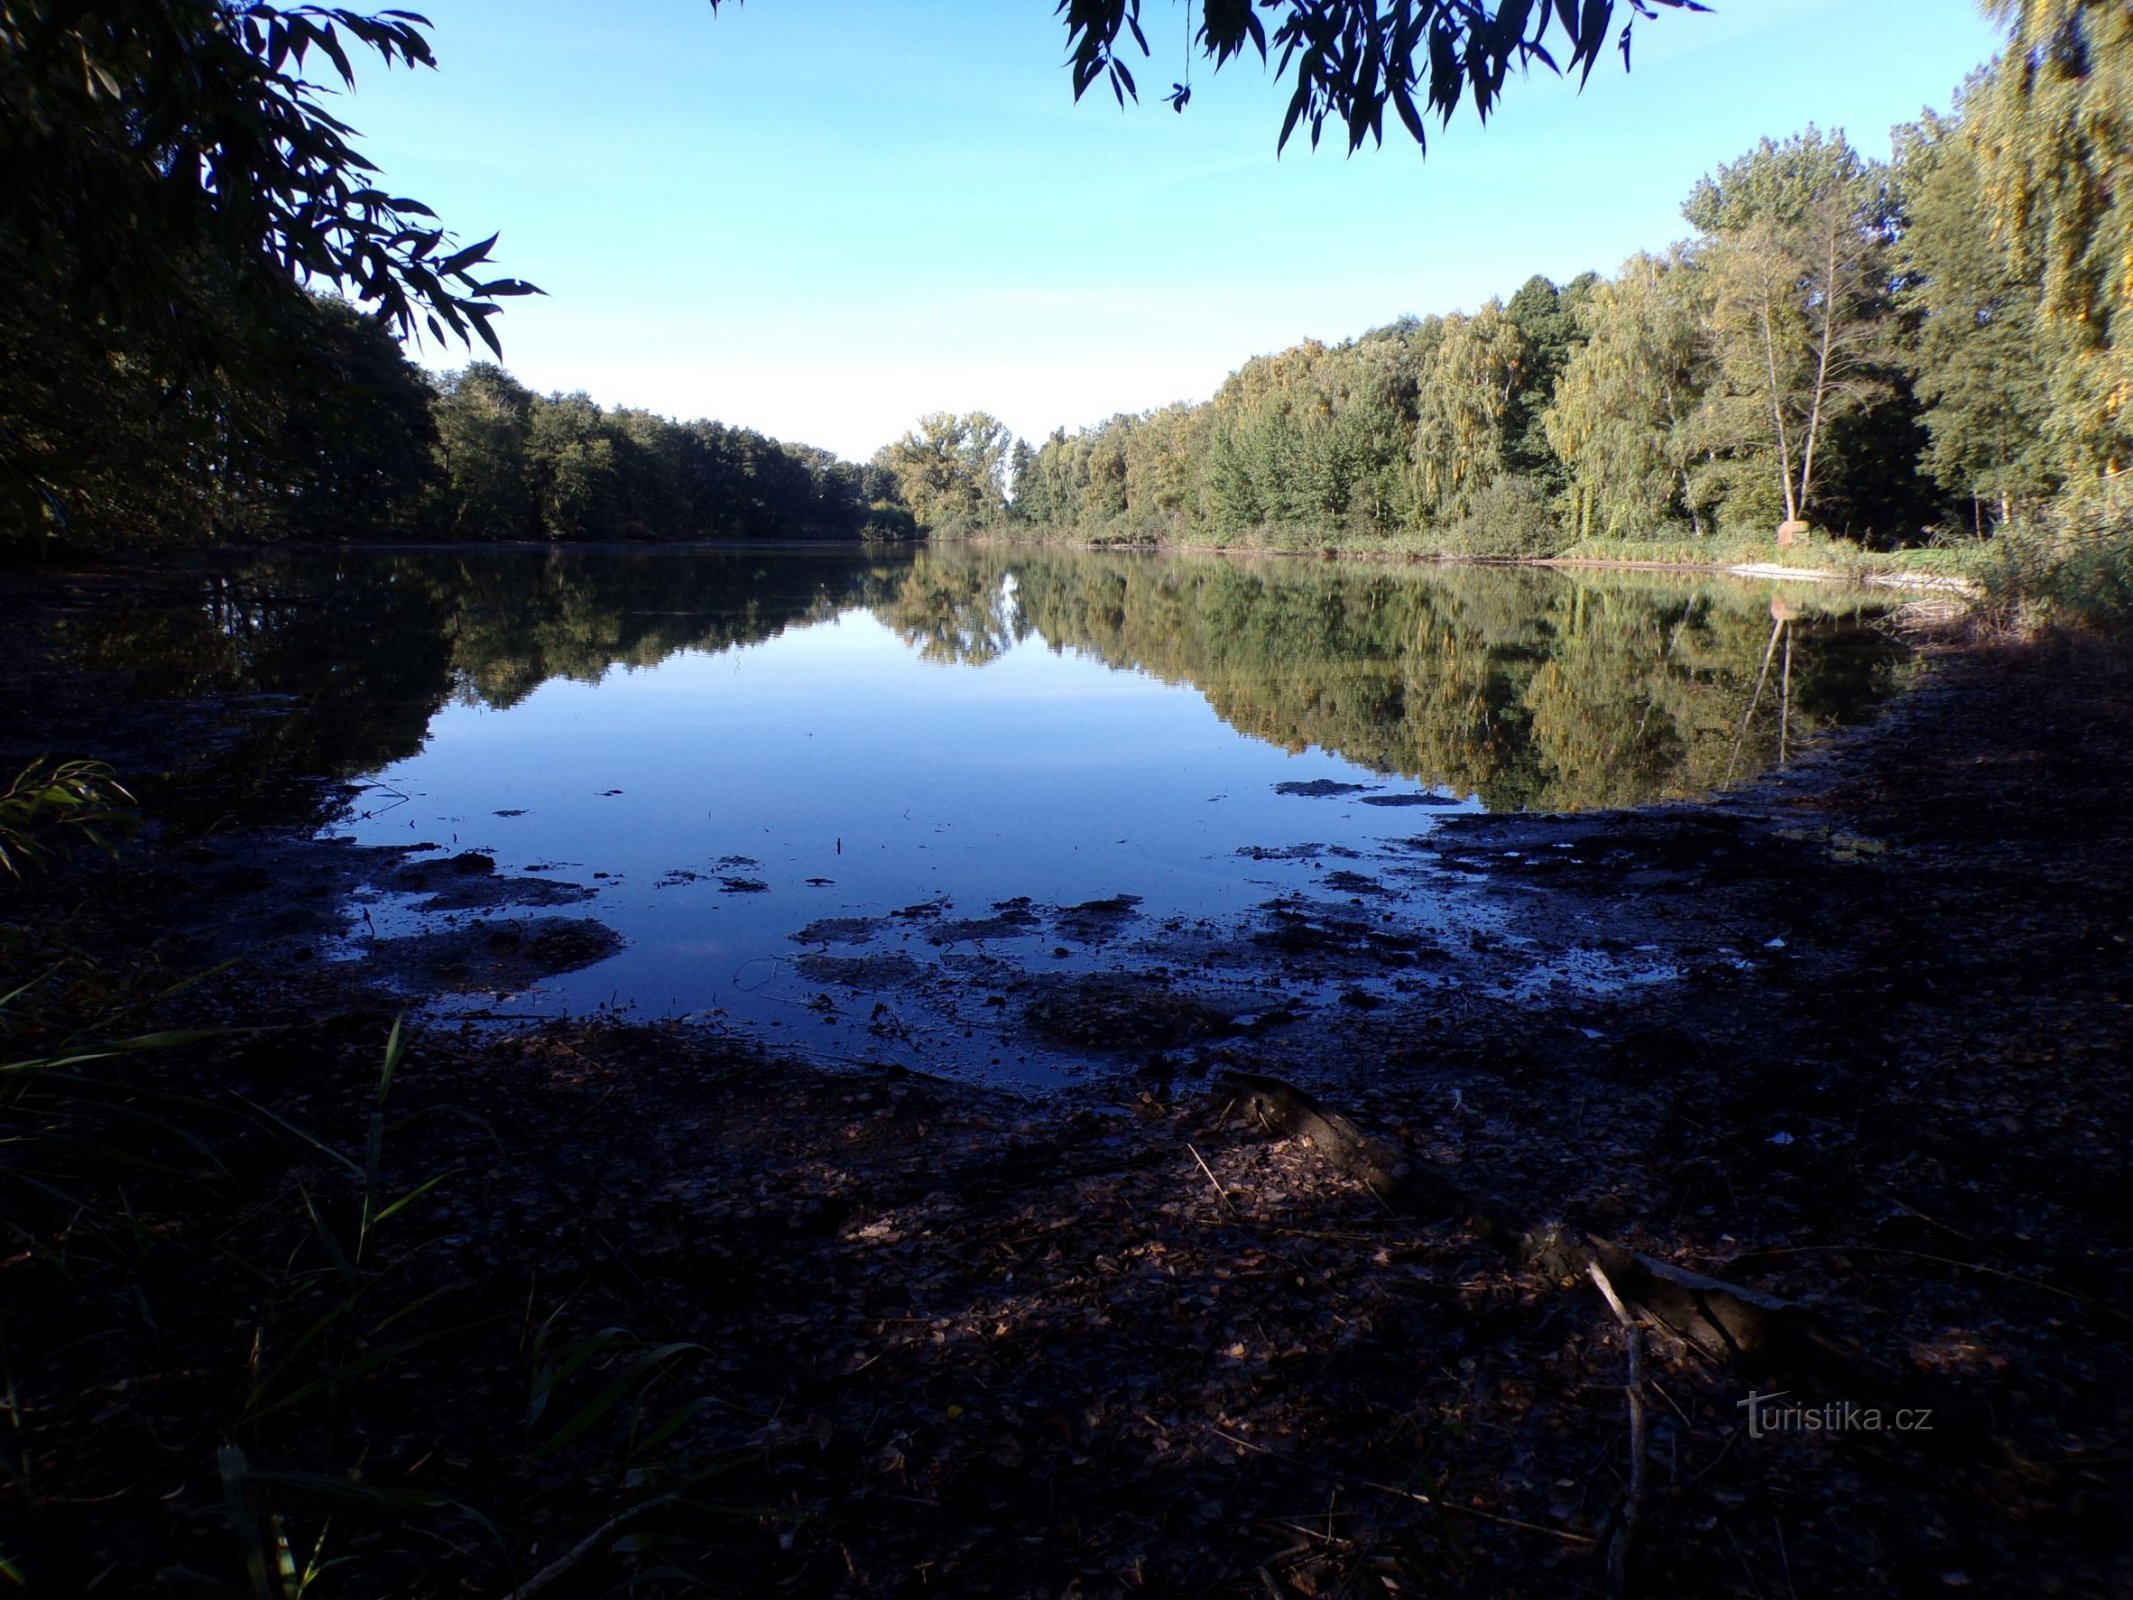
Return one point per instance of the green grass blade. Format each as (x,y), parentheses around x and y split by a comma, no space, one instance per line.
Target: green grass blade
(369,1363)
(395,1048)
(289,1127)
(415,1193)
(244,1518)
(633,1378)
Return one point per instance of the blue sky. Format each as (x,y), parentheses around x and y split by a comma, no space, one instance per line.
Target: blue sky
(822,218)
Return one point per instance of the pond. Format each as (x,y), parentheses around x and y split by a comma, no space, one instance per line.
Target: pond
(1004,813)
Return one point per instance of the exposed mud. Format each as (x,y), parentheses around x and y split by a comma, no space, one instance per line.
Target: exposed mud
(1123,1013)
(494,956)
(470,882)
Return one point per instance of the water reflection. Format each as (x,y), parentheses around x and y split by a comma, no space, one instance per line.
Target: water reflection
(370,646)
(1530,688)
(896,806)
(1533,688)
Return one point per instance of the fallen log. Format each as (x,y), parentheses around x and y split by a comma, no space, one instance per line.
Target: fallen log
(1287,1111)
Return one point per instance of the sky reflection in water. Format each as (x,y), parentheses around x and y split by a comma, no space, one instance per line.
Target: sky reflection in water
(986,730)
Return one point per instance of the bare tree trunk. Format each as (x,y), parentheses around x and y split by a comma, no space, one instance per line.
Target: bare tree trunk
(1822,359)
(1777,409)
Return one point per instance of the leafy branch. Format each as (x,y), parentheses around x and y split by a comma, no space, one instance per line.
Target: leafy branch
(1351,58)
(190,134)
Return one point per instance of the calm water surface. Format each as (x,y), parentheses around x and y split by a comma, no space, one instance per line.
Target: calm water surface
(848,801)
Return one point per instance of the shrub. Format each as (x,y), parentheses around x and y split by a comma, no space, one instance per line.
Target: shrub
(1510,516)
(2071,565)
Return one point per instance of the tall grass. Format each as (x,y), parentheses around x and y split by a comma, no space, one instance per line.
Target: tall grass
(50,806)
(278,1290)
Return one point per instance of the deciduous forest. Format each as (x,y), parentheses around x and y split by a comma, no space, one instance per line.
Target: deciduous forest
(1917,350)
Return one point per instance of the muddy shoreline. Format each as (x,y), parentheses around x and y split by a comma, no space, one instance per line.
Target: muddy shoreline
(1117,1341)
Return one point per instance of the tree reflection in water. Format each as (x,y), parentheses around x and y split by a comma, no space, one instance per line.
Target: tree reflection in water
(1533,688)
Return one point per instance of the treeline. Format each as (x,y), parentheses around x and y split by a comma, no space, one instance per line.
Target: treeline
(310,422)
(512,464)
(1879,349)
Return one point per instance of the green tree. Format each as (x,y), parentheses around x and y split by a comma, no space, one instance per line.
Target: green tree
(1104,473)
(1317,436)
(652,460)
(344,449)
(1465,396)
(484,421)
(2054,132)
(1350,59)
(1030,503)
(1547,321)
(1163,450)
(1623,410)
(145,135)
(1976,346)
(169,182)
(316,423)
(1270,438)
(571,457)
(1048,497)
(952,469)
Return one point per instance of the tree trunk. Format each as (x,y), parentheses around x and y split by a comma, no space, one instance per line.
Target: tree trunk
(1822,361)
(1777,410)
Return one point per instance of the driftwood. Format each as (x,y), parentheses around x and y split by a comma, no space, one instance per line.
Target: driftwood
(1725,1320)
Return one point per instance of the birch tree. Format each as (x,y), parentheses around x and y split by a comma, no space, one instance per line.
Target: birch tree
(1794,249)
